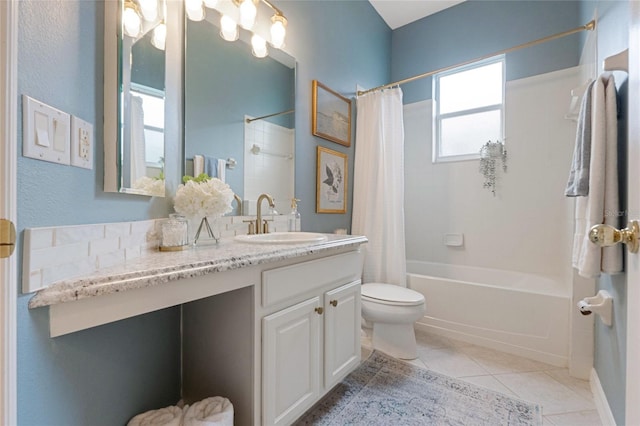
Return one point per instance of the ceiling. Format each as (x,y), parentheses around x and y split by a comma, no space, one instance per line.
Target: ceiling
(397,13)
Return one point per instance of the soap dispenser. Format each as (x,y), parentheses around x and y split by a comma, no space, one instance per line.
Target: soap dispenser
(294,220)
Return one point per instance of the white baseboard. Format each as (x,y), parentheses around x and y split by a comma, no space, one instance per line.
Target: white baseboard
(600,400)
(549,358)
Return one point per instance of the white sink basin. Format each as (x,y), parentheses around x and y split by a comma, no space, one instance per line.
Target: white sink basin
(282,238)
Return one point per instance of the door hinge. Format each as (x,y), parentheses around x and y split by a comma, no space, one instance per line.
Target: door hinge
(7,238)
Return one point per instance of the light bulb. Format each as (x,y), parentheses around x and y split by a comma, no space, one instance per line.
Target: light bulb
(149,9)
(248,12)
(228,28)
(159,36)
(131,22)
(211,3)
(278,31)
(195,11)
(259,46)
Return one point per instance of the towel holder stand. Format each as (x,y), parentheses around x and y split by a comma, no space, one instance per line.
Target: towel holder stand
(617,62)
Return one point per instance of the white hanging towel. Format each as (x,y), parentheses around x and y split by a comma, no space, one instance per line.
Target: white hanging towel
(222,168)
(198,165)
(602,205)
(214,411)
(168,416)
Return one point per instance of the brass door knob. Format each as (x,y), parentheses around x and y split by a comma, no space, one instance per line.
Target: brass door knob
(606,235)
(334,303)
(319,310)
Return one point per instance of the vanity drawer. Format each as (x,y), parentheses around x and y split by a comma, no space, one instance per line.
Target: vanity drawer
(290,281)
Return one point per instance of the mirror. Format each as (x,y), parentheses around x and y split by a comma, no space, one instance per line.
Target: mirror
(135,97)
(224,86)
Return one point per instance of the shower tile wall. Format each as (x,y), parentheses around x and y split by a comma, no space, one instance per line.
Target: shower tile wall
(527,226)
(271,170)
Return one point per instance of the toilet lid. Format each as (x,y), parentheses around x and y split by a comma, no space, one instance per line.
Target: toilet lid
(391,294)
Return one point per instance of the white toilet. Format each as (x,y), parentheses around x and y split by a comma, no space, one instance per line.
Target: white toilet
(391,310)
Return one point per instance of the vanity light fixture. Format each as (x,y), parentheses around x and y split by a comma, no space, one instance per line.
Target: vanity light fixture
(259,46)
(159,38)
(194,9)
(245,13)
(278,30)
(228,28)
(248,12)
(131,21)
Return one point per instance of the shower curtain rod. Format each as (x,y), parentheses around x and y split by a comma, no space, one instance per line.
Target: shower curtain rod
(589,26)
(249,120)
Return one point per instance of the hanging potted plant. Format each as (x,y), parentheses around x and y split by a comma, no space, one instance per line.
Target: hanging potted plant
(491,154)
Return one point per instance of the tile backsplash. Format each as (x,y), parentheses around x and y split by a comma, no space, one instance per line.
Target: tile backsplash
(58,253)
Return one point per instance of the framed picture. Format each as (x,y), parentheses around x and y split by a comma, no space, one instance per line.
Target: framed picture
(331,115)
(331,190)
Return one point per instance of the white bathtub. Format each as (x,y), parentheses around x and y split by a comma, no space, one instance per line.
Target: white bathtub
(519,313)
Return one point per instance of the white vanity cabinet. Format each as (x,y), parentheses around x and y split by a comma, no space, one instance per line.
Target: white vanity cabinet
(310,333)
(271,327)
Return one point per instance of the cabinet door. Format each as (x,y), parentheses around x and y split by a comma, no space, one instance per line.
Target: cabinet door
(342,332)
(291,361)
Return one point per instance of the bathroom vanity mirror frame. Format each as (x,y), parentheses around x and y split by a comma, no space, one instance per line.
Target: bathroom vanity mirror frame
(113,156)
(221,116)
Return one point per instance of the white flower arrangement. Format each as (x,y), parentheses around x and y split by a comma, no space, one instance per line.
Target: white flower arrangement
(150,186)
(203,196)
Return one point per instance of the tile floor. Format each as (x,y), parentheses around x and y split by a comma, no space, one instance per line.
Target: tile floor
(565,401)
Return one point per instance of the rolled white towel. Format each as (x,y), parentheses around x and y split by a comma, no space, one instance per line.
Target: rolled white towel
(168,416)
(212,411)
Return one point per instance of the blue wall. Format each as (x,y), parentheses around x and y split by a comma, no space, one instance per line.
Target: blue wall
(148,63)
(102,376)
(611,342)
(107,374)
(223,82)
(341,44)
(480,27)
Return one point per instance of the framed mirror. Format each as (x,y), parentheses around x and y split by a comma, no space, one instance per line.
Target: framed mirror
(135,94)
(239,111)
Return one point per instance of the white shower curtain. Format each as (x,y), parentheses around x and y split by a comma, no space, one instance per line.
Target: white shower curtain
(137,149)
(378,186)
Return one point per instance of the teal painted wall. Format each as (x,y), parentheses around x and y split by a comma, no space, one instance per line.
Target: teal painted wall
(482,27)
(108,374)
(611,342)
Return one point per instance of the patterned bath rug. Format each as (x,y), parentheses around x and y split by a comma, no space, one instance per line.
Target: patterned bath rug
(386,391)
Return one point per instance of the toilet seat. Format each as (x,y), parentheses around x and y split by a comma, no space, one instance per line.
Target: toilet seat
(389,294)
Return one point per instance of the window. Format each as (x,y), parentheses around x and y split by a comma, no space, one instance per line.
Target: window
(468,109)
(153,107)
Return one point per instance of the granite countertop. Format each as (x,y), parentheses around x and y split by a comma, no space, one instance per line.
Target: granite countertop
(160,267)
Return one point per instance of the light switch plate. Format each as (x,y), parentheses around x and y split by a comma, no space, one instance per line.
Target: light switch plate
(46,132)
(81,143)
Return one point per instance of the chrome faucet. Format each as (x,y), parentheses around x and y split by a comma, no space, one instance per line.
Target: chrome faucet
(259,226)
(239,201)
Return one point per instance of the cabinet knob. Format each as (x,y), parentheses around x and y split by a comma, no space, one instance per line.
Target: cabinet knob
(319,310)
(334,303)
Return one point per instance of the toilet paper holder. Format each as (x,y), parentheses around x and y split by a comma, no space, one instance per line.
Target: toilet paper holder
(601,304)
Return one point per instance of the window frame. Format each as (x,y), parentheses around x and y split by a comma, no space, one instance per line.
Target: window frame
(437,117)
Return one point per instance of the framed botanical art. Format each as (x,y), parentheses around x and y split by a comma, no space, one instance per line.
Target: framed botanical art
(331,115)
(331,183)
